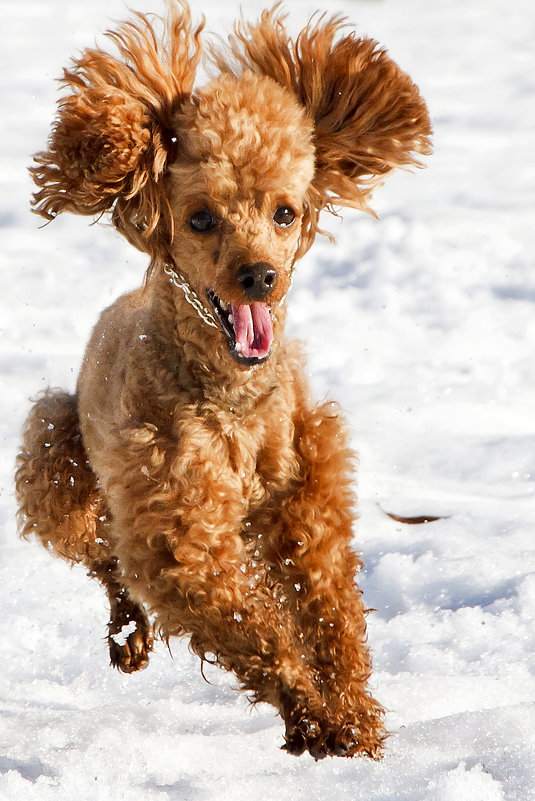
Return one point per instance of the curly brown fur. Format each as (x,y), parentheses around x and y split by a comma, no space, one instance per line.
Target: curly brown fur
(192,473)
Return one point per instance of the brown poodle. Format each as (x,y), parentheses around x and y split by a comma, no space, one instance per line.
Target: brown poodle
(192,473)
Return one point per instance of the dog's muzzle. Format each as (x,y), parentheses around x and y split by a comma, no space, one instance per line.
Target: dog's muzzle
(247,327)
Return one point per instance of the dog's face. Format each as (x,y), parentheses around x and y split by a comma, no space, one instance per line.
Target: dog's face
(238,194)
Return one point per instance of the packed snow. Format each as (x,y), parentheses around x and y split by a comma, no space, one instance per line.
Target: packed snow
(422,324)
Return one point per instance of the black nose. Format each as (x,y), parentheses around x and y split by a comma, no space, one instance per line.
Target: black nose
(257,280)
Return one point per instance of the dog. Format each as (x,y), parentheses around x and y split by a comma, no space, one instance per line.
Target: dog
(192,473)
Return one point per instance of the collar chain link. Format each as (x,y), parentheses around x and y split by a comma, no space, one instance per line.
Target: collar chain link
(180,281)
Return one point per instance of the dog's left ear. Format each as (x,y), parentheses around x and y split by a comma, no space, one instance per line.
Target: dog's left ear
(369,116)
(112,139)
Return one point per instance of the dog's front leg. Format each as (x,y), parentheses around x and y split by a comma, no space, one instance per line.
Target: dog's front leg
(312,547)
(179,523)
(234,616)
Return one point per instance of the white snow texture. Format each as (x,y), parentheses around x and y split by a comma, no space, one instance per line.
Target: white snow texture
(422,324)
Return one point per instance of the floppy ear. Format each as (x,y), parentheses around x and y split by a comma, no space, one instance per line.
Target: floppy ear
(110,144)
(369,116)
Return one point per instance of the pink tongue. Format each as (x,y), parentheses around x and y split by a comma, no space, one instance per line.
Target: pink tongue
(253,330)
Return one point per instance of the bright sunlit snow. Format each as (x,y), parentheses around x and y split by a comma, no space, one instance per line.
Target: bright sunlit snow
(422,324)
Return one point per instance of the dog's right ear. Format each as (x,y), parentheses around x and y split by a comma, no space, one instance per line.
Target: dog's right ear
(111,141)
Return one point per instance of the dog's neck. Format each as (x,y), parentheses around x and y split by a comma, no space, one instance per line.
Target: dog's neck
(197,355)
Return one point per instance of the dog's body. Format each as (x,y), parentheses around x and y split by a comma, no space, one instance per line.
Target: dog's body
(192,473)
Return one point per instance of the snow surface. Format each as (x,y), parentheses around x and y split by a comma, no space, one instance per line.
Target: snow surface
(423,325)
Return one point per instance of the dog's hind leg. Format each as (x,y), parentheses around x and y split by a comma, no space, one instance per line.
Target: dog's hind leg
(130,636)
(60,502)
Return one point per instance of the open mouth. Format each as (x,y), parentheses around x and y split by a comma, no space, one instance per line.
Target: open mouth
(248,328)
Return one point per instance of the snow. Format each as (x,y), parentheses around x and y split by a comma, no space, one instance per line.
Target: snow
(122,636)
(422,324)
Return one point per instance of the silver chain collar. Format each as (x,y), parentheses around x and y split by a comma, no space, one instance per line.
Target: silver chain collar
(179,280)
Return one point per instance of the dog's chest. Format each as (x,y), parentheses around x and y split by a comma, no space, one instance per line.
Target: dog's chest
(249,458)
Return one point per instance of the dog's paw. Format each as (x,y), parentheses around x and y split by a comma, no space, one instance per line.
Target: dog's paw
(305,732)
(305,735)
(347,741)
(322,740)
(309,736)
(130,638)
(320,731)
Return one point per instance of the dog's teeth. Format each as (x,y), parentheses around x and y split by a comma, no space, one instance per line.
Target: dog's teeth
(237,346)
(223,305)
(230,319)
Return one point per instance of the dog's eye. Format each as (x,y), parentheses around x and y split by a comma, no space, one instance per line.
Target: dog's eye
(202,221)
(284,216)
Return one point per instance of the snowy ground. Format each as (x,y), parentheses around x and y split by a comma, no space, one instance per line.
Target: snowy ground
(423,326)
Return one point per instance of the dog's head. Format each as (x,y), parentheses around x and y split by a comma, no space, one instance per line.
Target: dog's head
(226,183)
(239,192)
